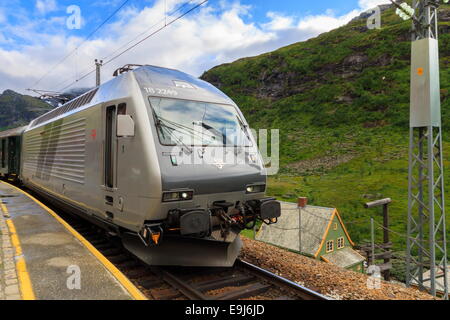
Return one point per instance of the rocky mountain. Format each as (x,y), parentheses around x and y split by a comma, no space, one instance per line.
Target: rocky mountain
(17,110)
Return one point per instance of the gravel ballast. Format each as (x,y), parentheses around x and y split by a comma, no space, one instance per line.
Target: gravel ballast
(322,277)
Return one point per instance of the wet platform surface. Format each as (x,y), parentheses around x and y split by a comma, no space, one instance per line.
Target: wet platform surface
(58,265)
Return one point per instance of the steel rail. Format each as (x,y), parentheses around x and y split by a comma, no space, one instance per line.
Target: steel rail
(305,293)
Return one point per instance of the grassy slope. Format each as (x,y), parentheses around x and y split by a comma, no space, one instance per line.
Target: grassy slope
(18,110)
(347,124)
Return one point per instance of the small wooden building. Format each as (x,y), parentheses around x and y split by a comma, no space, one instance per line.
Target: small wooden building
(322,235)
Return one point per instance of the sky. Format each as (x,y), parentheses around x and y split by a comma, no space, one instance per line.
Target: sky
(51,44)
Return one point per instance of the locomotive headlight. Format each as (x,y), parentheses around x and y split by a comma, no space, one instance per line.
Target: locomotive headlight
(177,196)
(256,188)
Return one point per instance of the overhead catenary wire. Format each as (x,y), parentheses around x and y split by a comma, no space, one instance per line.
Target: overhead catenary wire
(401,234)
(79,79)
(63,83)
(81,44)
(89,71)
(138,43)
(147,30)
(155,32)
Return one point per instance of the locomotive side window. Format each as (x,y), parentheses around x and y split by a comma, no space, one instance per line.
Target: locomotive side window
(109,146)
(122,109)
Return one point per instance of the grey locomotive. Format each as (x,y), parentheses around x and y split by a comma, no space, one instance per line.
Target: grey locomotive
(161,159)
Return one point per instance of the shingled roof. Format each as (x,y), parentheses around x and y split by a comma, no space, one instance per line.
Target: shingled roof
(315,223)
(343,258)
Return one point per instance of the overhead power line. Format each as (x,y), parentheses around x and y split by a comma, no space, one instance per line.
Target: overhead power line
(87,70)
(147,30)
(138,43)
(78,80)
(81,44)
(155,32)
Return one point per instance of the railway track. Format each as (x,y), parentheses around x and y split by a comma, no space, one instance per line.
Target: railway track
(242,281)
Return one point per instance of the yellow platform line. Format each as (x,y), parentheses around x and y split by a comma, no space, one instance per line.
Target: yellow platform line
(5,210)
(123,280)
(26,288)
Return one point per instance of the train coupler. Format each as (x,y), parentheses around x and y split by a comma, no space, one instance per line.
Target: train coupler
(268,209)
(151,235)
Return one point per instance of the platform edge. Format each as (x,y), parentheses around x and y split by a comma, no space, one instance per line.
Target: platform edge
(120,277)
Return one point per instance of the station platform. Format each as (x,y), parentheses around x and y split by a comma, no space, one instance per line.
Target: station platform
(43,258)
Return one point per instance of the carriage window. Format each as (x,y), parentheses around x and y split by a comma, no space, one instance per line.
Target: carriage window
(3,153)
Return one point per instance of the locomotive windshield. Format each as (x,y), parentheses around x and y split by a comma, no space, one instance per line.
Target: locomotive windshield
(183,122)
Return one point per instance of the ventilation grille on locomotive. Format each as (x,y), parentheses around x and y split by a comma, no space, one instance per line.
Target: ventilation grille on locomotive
(72,105)
(57,152)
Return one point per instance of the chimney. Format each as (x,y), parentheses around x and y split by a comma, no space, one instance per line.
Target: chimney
(302,202)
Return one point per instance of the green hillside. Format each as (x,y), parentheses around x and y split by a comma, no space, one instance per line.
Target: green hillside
(341,102)
(18,110)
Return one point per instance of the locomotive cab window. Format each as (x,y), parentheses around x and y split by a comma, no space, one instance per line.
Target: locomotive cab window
(183,122)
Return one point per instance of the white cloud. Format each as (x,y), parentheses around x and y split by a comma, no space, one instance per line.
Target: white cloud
(321,23)
(278,21)
(369,4)
(46,6)
(211,36)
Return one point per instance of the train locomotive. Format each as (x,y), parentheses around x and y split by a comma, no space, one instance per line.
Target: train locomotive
(159,158)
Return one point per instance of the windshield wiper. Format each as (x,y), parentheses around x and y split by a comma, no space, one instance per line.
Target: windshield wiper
(160,122)
(244,128)
(215,131)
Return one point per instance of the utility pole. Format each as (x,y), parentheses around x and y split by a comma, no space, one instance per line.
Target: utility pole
(386,241)
(302,202)
(372,241)
(299,230)
(426,242)
(98,65)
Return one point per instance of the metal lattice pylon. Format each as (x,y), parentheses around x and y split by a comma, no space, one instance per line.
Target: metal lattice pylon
(426,215)
(426,23)
(426,243)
